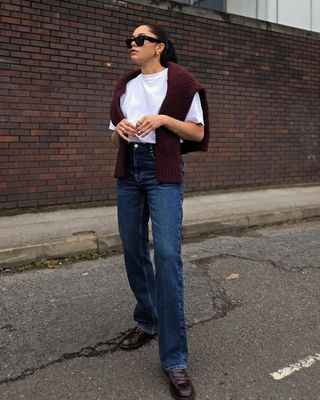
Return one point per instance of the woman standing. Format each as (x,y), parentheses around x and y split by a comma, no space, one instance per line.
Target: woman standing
(158,113)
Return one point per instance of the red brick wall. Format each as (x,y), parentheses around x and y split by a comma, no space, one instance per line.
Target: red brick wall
(59,61)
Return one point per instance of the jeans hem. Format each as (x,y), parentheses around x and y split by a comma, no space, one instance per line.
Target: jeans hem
(146,330)
(181,366)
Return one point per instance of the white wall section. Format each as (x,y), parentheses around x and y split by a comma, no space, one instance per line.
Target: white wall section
(296,13)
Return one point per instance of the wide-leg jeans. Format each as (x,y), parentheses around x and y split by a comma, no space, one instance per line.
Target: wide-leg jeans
(158,289)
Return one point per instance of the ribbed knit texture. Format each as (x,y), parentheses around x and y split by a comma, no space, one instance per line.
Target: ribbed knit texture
(182,87)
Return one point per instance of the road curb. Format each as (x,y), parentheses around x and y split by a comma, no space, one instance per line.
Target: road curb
(64,247)
(102,242)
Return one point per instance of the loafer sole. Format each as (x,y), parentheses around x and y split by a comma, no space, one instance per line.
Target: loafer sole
(177,397)
(134,346)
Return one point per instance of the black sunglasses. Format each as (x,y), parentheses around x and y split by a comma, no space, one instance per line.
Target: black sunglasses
(139,40)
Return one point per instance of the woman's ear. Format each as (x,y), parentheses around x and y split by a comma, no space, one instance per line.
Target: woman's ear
(160,47)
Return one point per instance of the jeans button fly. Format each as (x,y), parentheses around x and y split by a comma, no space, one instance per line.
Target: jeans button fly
(136,146)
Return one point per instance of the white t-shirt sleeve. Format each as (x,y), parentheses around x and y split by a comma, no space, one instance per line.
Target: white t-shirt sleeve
(111,126)
(195,113)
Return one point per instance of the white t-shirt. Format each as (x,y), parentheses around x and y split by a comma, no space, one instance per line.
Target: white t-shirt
(144,96)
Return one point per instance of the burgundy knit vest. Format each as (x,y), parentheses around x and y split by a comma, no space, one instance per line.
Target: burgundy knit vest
(182,87)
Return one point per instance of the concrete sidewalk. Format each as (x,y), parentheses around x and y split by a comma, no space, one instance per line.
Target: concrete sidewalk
(27,237)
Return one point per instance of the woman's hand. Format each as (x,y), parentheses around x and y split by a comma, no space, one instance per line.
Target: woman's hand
(123,130)
(149,123)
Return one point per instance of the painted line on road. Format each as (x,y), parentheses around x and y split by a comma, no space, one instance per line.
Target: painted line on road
(304,363)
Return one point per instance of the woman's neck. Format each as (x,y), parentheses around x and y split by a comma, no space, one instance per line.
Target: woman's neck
(151,68)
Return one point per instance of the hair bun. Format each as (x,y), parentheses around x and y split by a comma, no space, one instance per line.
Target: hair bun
(169,53)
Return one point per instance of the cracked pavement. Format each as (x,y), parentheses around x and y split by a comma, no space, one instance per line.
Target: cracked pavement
(60,327)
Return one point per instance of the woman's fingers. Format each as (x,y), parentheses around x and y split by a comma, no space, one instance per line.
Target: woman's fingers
(125,129)
(128,129)
(143,128)
(144,133)
(122,134)
(147,124)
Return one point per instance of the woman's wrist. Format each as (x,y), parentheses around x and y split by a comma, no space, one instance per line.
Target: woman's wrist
(173,124)
(184,129)
(179,127)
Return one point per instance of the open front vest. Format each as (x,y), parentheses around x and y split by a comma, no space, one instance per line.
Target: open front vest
(182,87)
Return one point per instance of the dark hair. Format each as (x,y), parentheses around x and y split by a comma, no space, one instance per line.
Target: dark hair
(169,52)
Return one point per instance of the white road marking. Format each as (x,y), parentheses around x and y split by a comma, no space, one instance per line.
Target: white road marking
(305,363)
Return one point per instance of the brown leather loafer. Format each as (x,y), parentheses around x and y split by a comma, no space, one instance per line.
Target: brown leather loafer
(181,387)
(135,338)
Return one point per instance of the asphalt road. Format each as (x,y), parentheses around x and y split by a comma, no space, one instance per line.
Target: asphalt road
(253,337)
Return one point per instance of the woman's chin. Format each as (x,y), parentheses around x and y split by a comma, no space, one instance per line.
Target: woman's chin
(135,61)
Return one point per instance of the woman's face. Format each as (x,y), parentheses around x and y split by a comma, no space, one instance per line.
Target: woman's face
(143,54)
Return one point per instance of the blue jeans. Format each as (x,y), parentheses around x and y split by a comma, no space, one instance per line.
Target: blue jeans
(158,291)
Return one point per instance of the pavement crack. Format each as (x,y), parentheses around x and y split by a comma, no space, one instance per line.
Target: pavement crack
(100,349)
(205,261)
(200,321)
(220,303)
(275,264)
(8,327)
